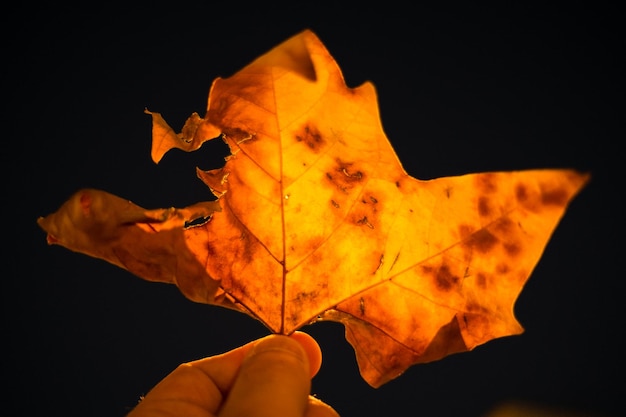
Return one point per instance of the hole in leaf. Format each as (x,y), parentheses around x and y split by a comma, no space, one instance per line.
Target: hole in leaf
(197,222)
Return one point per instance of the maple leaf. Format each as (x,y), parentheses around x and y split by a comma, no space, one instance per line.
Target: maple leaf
(315,219)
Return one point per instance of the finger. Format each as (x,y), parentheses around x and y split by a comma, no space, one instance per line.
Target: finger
(204,384)
(318,408)
(312,349)
(222,369)
(274,380)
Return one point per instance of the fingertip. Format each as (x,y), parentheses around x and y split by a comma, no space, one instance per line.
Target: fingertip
(312,349)
(273,377)
(318,408)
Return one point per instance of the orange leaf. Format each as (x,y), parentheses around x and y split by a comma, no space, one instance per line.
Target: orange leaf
(315,219)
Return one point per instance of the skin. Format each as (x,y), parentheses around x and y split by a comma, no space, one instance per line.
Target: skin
(268,377)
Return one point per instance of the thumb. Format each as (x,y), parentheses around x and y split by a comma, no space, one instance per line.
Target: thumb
(274,380)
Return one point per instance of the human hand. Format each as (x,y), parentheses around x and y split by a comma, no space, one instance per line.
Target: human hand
(268,377)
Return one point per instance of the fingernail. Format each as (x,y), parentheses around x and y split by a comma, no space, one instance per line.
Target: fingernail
(279,343)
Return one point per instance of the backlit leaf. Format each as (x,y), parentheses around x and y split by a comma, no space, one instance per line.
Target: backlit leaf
(316,219)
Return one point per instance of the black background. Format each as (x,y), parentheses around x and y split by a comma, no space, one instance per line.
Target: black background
(460,90)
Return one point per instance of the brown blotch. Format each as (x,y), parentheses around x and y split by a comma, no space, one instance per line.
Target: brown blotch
(504,226)
(235,136)
(248,251)
(512,248)
(487,183)
(370,200)
(345,175)
(484,208)
(350,173)
(502,268)
(465,230)
(481,280)
(310,245)
(306,296)
(311,137)
(483,240)
(521,193)
(445,279)
(210,250)
(476,308)
(363,221)
(557,197)
(427,269)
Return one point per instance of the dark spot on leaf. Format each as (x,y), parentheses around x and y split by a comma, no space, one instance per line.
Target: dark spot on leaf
(521,193)
(365,222)
(238,136)
(427,269)
(465,230)
(487,183)
(476,308)
(557,197)
(306,296)
(345,176)
(444,279)
(512,248)
(481,280)
(483,240)
(504,226)
(248,252)
(348,170)
(484,208)
(311,137)
(502,268)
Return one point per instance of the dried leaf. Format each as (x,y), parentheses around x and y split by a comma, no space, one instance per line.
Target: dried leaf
(315,219)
